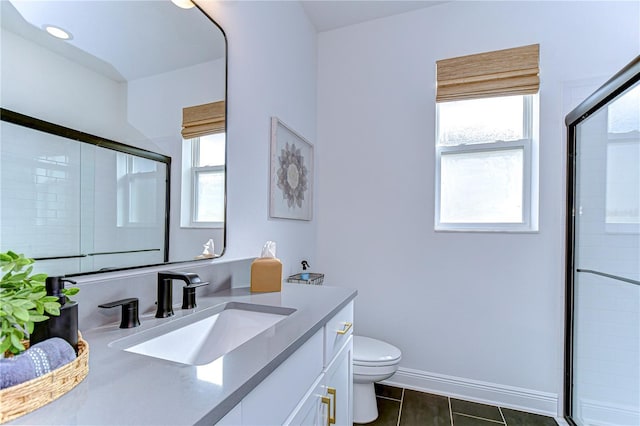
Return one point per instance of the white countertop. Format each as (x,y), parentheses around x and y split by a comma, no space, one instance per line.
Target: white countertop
(127,388)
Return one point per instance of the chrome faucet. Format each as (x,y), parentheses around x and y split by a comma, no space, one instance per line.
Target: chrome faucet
(165,291)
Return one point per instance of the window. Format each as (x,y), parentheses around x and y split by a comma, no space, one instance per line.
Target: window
(622,199)
(138,193)
(486,150)
(203,166)
(203,180)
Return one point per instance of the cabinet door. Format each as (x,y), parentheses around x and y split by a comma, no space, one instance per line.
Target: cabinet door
(312,410)
(338,386)
(273,400)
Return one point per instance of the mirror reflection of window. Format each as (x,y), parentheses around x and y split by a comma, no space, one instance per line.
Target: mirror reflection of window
(208,178)
(623,156)
(203,166)
(137,198)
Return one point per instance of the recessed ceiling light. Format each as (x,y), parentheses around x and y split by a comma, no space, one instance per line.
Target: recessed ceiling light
(185,4)
(58,32)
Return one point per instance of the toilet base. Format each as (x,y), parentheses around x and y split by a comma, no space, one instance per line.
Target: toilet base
(365,407)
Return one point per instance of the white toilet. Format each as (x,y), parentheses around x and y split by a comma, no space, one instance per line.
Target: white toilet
(373,361)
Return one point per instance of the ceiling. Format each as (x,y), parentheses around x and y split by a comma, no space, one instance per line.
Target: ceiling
(328,15)
(107,35)
(142,26)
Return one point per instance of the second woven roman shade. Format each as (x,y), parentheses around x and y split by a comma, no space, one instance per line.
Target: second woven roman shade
(201,120)
(498,73)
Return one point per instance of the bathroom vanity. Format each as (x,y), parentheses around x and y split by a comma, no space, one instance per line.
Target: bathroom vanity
(296,371)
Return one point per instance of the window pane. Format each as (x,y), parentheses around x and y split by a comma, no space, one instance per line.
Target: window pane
(210,192)
(624,112)
(143,203)
(481,120)
(623,156)
(142,165)
(482,187)
(211,150)
(623,182)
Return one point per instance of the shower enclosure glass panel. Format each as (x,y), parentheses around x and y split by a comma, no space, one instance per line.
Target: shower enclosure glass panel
(603,382)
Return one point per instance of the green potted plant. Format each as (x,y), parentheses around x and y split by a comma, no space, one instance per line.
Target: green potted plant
(23,301)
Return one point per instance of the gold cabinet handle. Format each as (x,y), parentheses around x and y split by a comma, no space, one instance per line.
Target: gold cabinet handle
(327,401)
(347,327)
(332,392)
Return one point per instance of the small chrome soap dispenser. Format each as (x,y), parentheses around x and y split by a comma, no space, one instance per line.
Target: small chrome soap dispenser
(65,325)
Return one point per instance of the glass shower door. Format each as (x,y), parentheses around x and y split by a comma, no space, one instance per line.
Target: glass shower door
(604,351)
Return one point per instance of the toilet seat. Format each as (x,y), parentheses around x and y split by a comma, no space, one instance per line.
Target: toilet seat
(368,352)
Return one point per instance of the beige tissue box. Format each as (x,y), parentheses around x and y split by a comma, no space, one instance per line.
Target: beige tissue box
(266,275)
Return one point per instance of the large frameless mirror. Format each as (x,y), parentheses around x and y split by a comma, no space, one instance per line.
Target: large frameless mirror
(144,75)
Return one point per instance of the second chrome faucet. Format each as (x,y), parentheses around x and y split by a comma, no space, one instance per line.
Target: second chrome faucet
(165,291)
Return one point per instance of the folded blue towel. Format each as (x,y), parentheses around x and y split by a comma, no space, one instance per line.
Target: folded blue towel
(39,359)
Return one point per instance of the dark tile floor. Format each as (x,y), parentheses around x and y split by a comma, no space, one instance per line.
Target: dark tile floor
(405,407)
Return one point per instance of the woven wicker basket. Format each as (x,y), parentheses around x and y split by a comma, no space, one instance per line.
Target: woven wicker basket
(21,399)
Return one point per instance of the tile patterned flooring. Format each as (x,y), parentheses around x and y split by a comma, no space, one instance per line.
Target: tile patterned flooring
(405,407)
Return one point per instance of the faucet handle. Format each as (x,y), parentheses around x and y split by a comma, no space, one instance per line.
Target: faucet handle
(189,295)
(129,317)
(196,284)
(193,279)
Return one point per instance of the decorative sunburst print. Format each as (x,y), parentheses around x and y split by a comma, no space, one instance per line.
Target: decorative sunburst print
(291,192)
(292,175)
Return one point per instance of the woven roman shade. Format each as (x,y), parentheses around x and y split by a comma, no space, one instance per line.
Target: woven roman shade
(499,73)
(201,120)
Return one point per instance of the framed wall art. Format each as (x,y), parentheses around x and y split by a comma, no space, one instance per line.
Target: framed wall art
(291,190)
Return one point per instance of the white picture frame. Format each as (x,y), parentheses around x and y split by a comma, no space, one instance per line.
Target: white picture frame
(291,174)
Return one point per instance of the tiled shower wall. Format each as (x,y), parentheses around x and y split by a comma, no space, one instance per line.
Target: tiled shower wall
(39,192)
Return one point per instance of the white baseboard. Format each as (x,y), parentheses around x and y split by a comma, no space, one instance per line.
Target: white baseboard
(598,413)
(473,390)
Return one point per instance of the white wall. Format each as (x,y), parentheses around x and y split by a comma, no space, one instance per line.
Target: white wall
(476,314)
(271,72)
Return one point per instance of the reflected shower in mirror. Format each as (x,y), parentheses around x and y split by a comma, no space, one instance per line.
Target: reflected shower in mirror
(79,203)
(129,71)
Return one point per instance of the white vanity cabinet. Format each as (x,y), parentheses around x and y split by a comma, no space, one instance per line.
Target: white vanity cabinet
(314,386)
(329,401)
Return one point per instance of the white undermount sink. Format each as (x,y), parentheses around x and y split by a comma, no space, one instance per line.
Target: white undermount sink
(206,335)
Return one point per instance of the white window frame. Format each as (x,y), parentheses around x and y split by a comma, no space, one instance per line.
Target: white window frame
(528,145)
(125,183)
(190,186)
